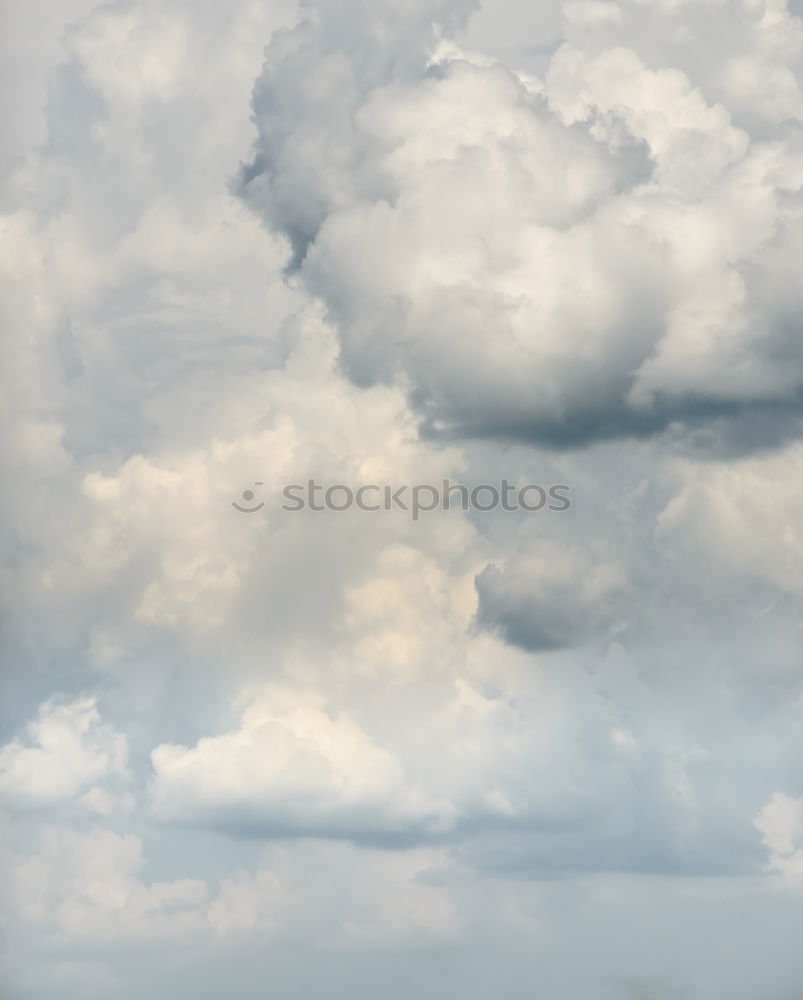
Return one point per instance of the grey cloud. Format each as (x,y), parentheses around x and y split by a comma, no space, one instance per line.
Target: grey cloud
(597,260)
(311,155)
(550,596)
(563,316)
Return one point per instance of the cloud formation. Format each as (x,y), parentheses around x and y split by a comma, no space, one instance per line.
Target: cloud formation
(344,755)
(555,261)
(67,751)
(550,596)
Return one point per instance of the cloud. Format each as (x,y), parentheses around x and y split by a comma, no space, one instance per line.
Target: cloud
(341,755)
(88,891)
(292,769)
(550,596)
(517,779)
(482,232)
(738,524)
(68,749)
(780,823)
(86,886)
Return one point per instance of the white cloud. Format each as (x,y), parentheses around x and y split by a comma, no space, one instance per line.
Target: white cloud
(293,768)
(84,890)
(571,233)
(67,750)
(780,823)
(482,237)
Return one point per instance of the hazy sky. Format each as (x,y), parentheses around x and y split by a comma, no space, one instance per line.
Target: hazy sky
(280,755)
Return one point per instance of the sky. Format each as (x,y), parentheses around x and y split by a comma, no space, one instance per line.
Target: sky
(534,755)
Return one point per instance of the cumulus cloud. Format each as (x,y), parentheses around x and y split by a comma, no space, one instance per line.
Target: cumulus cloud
(556,261)
(347,755)
(780,823)
(550,596)
(87,886)
(518,779)
(294,769)
(89,891)
(67,750)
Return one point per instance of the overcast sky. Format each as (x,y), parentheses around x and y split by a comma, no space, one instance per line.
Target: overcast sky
(549,755)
